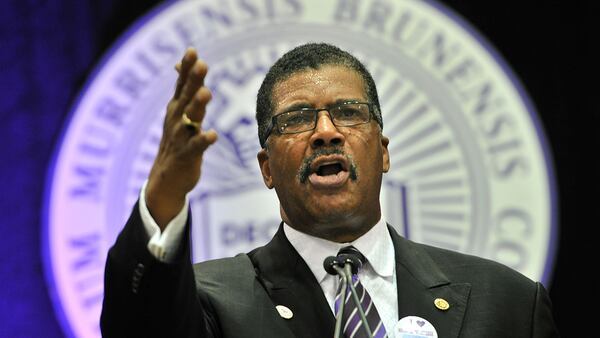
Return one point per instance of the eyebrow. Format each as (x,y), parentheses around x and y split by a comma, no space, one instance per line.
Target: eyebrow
(305,105)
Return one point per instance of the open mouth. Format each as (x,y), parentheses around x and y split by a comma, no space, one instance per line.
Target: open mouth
(329,165)
(329,171)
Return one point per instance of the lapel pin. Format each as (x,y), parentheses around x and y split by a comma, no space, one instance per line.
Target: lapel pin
(284,312)
(441,304)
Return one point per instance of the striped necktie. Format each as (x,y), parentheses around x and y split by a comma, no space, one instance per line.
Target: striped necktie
(352,323)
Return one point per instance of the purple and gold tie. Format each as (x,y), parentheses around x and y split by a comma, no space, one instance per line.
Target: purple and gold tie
(352,325)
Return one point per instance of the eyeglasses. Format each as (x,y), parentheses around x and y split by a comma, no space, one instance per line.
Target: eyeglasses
(346,114)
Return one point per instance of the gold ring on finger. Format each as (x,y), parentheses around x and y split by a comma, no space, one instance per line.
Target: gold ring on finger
(188,123)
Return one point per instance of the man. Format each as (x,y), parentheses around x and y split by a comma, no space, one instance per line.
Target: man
(323,152)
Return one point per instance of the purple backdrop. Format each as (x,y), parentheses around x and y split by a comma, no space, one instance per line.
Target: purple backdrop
(47,49)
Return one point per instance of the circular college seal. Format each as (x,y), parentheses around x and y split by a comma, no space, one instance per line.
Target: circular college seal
(469,166)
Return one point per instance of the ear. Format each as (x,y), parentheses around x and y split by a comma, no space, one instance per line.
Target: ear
(265,167)
(385,153)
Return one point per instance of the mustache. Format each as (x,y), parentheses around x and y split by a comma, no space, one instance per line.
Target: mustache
(305,168)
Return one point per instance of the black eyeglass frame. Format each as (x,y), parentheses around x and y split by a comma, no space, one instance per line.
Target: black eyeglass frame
(316,111)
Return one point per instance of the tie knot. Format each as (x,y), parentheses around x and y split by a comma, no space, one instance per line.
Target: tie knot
(349,250)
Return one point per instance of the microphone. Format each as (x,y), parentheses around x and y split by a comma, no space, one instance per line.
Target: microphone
(350,255)
(329,263)
(347,255)
(348,261)
(333,265)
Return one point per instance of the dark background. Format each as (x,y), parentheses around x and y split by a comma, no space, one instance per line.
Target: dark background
(48,48)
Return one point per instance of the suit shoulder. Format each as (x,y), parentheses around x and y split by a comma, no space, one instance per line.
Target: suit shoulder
(461,267)
(224,269)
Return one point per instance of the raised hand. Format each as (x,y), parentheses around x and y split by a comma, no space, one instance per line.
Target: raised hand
(177,166)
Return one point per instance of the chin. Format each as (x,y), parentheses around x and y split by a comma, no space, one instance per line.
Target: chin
(333,210)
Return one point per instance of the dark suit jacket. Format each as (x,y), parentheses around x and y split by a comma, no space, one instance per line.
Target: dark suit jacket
(236,297)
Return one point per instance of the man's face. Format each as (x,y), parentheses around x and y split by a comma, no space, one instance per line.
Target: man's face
(327,179)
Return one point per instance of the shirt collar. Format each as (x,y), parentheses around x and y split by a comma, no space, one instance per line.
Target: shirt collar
(376,245)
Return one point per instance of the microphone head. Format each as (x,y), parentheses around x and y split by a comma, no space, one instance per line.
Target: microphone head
(350,255)
(329,263)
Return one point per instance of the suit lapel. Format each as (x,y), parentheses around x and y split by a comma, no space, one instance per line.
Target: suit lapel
(420,281)
(289,282)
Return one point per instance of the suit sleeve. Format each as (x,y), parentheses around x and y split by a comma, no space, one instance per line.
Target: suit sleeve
(144,297)
(543,319)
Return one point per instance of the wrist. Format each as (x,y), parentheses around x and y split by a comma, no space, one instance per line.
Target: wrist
(163,203)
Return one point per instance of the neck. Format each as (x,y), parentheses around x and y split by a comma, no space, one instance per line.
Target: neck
(338,229)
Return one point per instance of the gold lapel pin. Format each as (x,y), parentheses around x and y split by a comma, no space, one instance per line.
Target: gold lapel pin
(441,304)
(284,311)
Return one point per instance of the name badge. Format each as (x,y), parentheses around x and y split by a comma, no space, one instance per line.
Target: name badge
(414,327)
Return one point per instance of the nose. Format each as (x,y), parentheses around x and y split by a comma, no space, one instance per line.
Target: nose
(326,133)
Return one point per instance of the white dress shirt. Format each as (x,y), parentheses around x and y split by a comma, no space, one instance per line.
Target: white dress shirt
(378,275)
(163,245)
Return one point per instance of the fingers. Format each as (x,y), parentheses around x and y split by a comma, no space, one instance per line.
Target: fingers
(203,140)
(196,108)
(190,96)
(195,111)
(187,62)
(194,81)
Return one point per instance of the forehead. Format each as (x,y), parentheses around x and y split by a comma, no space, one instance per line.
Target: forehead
(319,87)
